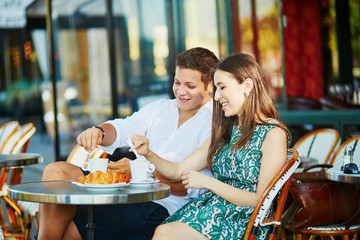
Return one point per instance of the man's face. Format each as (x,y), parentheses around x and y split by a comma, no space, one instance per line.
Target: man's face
(189,90)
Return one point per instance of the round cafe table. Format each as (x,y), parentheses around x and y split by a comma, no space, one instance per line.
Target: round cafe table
(335,174)
(19,159)
(66,192)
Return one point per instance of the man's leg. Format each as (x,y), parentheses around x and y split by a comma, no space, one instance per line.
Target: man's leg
(55,218)
(135,221)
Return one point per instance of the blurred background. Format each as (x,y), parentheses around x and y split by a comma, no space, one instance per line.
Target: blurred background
(68,65)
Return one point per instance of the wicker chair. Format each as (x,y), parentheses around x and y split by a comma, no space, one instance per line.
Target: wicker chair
(269,209)
(337,158)
(6,130)
(328,232)
(16,142)
(318,144)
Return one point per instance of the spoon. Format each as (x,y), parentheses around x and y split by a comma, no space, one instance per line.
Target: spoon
(138,156)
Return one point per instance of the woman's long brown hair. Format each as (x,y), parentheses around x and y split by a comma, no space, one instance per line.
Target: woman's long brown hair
(257,108)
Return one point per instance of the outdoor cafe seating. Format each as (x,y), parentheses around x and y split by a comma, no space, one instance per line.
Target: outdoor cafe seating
(317,146)
(14,139)
(269,209)
(273,200)
(346,229)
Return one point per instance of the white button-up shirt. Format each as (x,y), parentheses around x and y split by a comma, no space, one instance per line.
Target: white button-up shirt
(158,121)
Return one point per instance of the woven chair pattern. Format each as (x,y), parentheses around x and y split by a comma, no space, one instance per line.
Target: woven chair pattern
(6,130)
(318,144)
(16,142)
(265,213)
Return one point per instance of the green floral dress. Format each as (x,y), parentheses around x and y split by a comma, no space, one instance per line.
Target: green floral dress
(215,217)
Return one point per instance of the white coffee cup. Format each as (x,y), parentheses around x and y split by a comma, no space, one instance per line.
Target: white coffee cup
(141,170)
(96,164)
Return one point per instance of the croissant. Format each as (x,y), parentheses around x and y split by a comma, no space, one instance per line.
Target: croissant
(99,177)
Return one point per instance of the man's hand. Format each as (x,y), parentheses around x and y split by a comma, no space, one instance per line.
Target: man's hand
(122,166)
(90,139)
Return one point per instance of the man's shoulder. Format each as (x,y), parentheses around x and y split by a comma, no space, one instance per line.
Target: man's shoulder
(206,110)
(162,102)
(156,105)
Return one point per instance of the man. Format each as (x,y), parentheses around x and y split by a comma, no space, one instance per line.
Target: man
(175,128)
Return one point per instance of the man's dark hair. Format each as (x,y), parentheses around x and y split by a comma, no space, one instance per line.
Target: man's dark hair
(200,59)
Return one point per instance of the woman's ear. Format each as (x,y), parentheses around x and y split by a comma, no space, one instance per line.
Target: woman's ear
(249,84)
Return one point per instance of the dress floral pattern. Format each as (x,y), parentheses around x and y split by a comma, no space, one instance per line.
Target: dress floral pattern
(215,217)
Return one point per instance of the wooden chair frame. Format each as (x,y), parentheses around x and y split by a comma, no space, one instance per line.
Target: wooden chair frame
(279,185)
(327,232)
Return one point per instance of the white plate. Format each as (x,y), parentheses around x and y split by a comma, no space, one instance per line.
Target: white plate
(145,183)
(101,186)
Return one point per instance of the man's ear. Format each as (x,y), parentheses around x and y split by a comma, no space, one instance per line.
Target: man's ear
(249,84)
(210,88)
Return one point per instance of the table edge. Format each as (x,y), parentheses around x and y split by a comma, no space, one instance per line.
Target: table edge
(348,178)
(83,199)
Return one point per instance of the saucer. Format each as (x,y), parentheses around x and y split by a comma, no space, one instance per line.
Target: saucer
(144,183)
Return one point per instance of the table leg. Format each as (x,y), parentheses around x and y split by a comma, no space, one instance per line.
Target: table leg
(90,226)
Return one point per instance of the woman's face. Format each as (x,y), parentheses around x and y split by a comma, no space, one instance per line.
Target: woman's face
(229,93)
(189,90)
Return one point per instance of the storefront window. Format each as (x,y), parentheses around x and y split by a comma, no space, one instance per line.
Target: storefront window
(200,23)
(83,61)
(260,37)
(355,45)
(82,69)
(20,73)
(142,43)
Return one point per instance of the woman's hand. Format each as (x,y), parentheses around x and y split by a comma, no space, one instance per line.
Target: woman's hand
(90,139)
(122,166)
(141,144)
(194,179)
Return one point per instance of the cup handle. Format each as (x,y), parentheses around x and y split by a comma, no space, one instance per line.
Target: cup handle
(150,170)
(87,168)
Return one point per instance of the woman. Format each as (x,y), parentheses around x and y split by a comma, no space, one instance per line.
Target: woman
(247,148)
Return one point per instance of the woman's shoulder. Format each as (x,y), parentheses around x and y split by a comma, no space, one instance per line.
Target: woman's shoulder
(272,121)
(275,130)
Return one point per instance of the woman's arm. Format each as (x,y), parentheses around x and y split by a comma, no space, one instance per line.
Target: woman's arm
(172,171)
(177,188)
(122,166)
(274,150)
